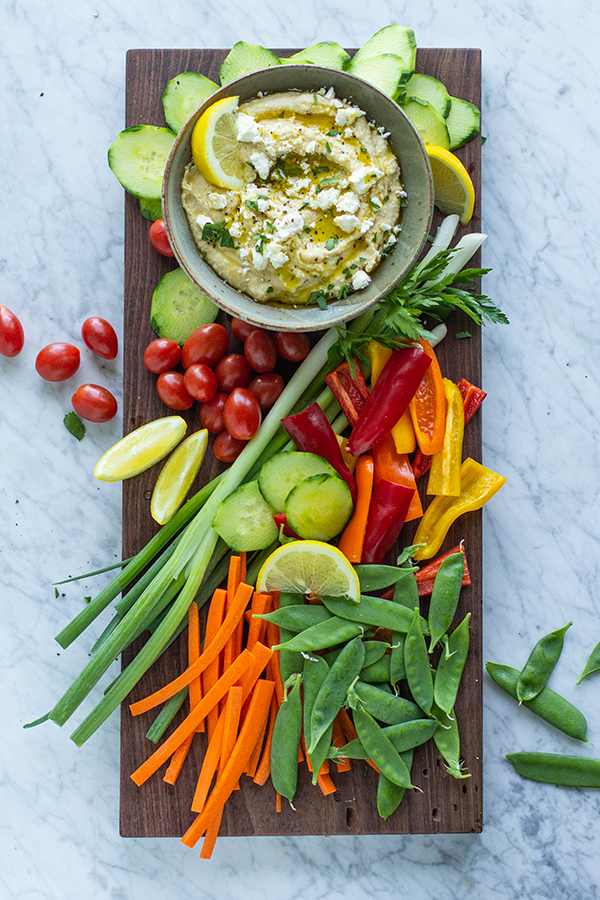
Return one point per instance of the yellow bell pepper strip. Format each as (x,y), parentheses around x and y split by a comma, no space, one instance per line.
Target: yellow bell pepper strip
(428,406)
(347,456)
(353,536)
(444,474)
(394,466)
(403,431)
(478,485)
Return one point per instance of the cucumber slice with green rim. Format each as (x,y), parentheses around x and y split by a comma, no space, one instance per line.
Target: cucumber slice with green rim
(183,95)
(137,157)
(245,519)
(430,125)
(464,122)
(387,72)
(244,58)
(179,307)
(284,470)
(426,87)
(392,39)
(327,53)
(319,507)
(150,208)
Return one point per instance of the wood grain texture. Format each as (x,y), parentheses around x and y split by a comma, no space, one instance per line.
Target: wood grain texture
(444,804)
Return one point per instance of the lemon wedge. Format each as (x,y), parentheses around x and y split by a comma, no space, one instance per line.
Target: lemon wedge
(140,449)
(177,475)
(452,185)
(215,147)
(303,567)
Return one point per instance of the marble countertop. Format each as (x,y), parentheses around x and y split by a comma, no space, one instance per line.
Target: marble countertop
(61,259)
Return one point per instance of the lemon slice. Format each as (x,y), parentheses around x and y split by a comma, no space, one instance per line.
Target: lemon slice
(140,449)
(215,147)
(177,475)
(303,567)
(452,185)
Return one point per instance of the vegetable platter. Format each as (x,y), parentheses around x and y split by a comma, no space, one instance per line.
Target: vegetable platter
(442,804)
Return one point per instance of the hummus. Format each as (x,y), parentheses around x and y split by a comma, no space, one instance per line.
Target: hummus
(321,205)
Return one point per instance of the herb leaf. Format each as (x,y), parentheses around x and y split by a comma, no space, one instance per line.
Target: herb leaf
(74,425)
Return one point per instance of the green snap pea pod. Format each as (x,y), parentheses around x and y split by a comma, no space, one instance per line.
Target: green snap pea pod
(286,741)
(548,705)
(418,671)
(444,596)
(374,650)
(377,672)
(406,593)
(451,665)
(592,665)
(384,705)
(377,578)
(314,673)
(390,795)
(331,657)
(557,768)
(372,611)
(404,736)
(290,661)
(332,693)
(297,618)
(541,662)
(447,740)
(326,634)
(379,747)
(320,753)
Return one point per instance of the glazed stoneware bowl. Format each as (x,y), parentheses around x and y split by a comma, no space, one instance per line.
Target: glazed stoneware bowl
(416,221)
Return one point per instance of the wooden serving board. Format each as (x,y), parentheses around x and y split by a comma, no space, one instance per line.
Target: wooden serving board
(157,809)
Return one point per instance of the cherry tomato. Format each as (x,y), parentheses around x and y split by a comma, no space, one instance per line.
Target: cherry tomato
(227,448)
(95,403)
(233,371)
(260,351)
(241,329)
(100,337)
(200,382)
(158,238)
(266,388)
(161,355)
(211,414)
(57,362)
(292,345)
(11,333)
(171,390)
(207,344)
(241,414)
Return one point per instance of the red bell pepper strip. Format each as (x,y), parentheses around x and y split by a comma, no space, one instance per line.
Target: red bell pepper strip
(311,433)
(349,389)
(426,576)
(394,466)
(395,387)
(421,463)
(281,519)
(387,514)
(472,396)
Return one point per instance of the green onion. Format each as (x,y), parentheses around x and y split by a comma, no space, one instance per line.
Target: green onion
(166,716)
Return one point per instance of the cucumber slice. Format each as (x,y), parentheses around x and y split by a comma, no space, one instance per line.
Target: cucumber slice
(426,87)
(179,307)
(138,156)
(245,519)
(284,470)
(392,39)
(387,72)
(244,58)
(464,122)
(150,208)
(430,125)
(319,507)
(327,53)
(183,95)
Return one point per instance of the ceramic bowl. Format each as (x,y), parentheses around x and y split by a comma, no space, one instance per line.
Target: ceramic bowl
(416,222)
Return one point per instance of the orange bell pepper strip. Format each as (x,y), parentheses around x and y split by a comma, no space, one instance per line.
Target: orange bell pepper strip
(353,536)
(403,431)
(396,467)
(444,474)
(428,406)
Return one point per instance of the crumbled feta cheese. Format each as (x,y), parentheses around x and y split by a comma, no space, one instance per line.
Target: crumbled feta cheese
(368,223)
(364,177)
(326,199)
(360,280)
(263,204)
(347,223)
(288,224)
(261,163)
(201,220)
(392,239)
(247,129)
(259,260)
(330,94)
(244,252)
(347,115)
(236,230)
(312,147)
(347,203)
(274,253)
(217,201)
(348,133)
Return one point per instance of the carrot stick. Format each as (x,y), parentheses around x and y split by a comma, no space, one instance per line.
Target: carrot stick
(261,604)
(210,676)
(208,844)
(255,756)
(353,536)
(337,739)
(257,715)
(278,803)
(177,761)
(232,713)
(242,596)
(233,580)
(325,783)
(272,639)
(239,631)
(264,768)
(195,689)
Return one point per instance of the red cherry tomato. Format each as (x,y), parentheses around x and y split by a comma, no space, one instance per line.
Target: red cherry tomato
(227,448)
(207,344)
(200,382)
(241,329)
(260,351)
(100,337)
(11,333)
(171,390)
(161,355)
(94,403)
(241,414)
(158,238)
(211,414)
(266,388)
(292,345)
(233,371)
(57,362)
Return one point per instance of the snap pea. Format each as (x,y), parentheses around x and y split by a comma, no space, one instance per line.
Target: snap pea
(377,672)
(286,741)
(416,660)
(374,650)
(372,611)
(404,736)
(447,740)
(557,768)
(444,596)
(378,746)
(384,705)
(406,593)
(290,661)
(326,634)
(298,617)
(451,665)
(592,665)
(541,662)
(315,671)
(332,693)
(376,578)
(548,705)
(390,795)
